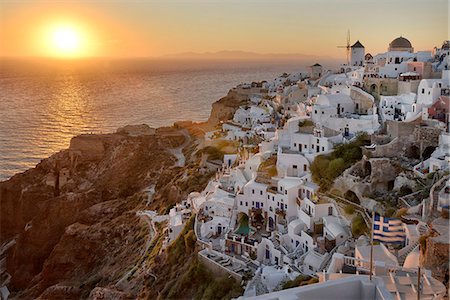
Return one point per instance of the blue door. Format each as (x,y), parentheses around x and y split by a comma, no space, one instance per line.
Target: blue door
(257,204)
(267,254)
(232,248)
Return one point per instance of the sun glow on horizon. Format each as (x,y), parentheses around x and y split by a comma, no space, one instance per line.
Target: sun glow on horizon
(64,40)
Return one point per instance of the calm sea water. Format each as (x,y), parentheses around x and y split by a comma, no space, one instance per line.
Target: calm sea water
(43,104)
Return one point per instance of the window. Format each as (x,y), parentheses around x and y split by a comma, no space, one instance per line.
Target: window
(317,141)
(315,112)
(295,144)
(246,203)
(268,197)
(323,148)
(342,109)
(294,166)
(330,210)
(285,206)
(253,191)
(423,91)
(241,203)
(322,113)
(262,204)
(253,203)
(260,192)
(305,168)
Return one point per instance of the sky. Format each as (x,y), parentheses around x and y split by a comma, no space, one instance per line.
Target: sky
(120,28)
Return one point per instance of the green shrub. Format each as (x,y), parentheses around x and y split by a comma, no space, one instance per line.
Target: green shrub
(349,209)
(299,281)
(390,211)
(359,227)
(213,153)
(306,123)
(401,212)
(326,168)
(189,240)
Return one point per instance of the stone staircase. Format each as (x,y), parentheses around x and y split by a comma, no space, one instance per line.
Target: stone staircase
(403,253)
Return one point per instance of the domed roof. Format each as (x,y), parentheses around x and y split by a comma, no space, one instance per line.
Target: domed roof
(400,42)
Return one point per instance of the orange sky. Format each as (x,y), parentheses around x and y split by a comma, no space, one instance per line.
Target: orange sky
(154,28)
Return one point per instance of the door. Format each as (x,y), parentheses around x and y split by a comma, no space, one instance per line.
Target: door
(339,109)
(267,254)
(232,248)
(271,223)
(219,229)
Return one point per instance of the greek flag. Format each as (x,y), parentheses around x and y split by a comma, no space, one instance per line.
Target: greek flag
(388,230)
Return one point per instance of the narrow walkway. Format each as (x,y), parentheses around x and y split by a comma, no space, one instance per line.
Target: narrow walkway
(148,219)
(178,151)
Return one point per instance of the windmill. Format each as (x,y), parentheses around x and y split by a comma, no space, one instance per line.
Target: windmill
(348,47)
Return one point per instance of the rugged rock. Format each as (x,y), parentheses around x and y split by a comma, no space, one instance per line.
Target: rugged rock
(69,227)
(436,254)
(71,237)
(137,130)
(225,108)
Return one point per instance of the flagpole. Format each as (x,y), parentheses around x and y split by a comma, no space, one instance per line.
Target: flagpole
(418,277)
(371,248)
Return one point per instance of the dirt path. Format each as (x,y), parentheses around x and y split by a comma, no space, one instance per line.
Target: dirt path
(178,151)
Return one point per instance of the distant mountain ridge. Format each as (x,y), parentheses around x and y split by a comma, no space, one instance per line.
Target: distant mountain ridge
(237,54)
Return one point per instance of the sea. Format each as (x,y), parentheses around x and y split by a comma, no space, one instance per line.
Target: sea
(44,102)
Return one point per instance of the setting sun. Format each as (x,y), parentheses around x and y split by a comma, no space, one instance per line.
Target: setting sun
(66,40)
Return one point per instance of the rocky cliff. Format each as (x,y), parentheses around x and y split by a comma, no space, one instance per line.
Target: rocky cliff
(69,224)
(69,227)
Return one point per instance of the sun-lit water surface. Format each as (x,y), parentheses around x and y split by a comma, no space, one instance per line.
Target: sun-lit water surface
(43,105)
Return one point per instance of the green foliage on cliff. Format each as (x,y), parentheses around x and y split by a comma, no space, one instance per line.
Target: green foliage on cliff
(325,168)
(299,281)
(180,274)
(213,153)
(359,227)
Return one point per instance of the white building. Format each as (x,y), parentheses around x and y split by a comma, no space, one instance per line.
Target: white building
(357,54)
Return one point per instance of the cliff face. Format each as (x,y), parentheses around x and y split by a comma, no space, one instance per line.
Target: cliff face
(70,224)
(69,227)
(225,108)
(436,252)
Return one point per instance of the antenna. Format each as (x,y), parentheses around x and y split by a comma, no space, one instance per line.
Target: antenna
(347,47)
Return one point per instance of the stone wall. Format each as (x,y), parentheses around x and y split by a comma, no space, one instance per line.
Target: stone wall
(89,146)
(364,100)
(217,269)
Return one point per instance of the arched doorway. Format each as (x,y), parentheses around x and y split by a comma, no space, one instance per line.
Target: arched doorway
(271,223)
(351,196)
(374,88)
(413,152)
(427,152)
(367,168)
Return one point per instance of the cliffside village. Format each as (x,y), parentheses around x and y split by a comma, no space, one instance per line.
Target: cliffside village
(264,220)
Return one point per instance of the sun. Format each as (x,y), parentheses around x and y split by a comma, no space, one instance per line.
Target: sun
(66,41)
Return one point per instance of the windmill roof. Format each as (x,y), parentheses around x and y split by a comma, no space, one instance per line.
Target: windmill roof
(357,45)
